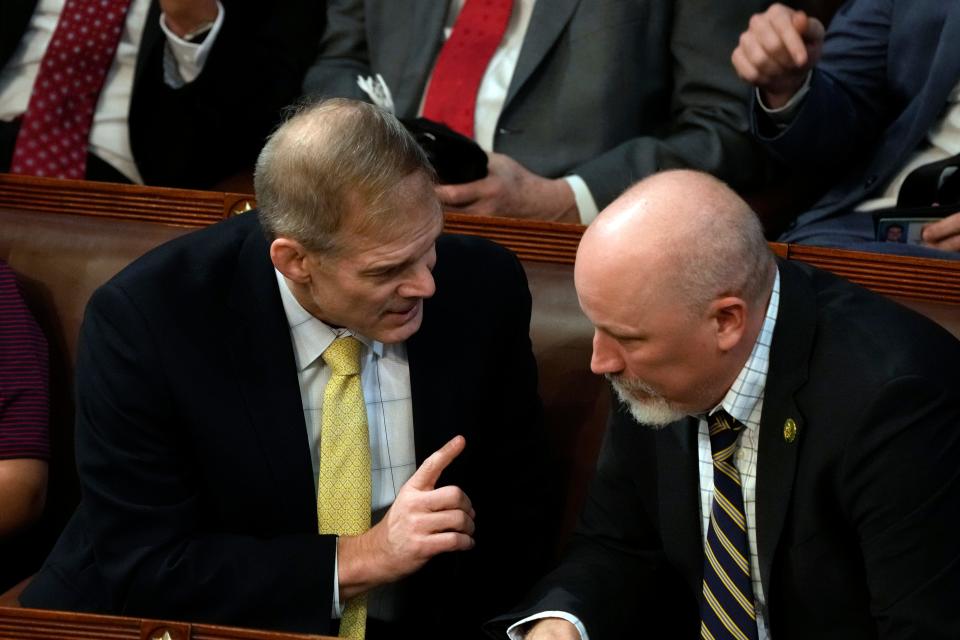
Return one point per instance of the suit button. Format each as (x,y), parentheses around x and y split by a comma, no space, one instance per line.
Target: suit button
(870,181)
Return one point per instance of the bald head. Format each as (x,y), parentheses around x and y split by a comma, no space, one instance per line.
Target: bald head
(683,234)
(674,275)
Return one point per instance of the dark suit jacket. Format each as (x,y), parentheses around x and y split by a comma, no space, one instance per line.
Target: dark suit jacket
(213,127)
(198,497)
(611,91)
(887,69)
(856,518)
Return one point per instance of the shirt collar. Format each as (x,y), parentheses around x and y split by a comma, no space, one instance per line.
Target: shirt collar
(747,390)
(311,336)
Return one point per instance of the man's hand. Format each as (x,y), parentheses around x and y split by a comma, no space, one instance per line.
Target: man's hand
(511,190)
(421,523)
(943,234)
(776,51)
(185,16)
(552,629)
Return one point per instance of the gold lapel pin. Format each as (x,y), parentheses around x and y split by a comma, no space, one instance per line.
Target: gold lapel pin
(241,207)
(789,430)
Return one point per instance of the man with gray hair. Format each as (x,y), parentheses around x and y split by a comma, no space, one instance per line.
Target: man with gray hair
(783,460)
(297,429)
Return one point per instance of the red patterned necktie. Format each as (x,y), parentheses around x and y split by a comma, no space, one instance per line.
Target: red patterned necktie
(452,95)
(55,130)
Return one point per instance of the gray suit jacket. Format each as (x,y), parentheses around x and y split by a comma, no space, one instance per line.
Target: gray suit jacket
(609,90)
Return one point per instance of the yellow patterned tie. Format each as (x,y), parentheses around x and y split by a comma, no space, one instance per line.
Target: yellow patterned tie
(344,489)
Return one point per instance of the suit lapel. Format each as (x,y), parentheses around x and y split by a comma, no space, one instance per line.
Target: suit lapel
(151,38)
(548,21)
(436,416)
(678,493)
(427,32)
(14,19)
(262,352)
(777,457)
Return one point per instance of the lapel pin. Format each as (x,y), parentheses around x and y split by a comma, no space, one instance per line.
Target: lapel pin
(789,430)
(241,207)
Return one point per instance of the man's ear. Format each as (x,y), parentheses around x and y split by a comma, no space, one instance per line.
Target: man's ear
(730,315)
(290,258)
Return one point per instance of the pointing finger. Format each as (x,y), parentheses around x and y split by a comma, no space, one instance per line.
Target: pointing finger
(425,478)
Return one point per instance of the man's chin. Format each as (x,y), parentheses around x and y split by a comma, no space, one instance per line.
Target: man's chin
(653,411)
(397,327)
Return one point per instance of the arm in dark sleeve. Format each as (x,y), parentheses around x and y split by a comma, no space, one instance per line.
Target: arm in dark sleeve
(144,495)
(848,103)
(708,125)
(607,574)
(208,129)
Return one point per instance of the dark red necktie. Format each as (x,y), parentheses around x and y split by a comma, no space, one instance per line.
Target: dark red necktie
(452,96)
(55,130)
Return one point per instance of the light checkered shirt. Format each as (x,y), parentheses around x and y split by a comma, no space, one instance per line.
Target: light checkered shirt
(744,401)
(385,377)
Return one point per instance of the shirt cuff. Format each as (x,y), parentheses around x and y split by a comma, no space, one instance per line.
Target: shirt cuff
(337,611)
(516,633)
(783,115)
(586,205)
(183,60)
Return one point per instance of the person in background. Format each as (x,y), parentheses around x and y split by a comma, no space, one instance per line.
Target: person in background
(24,410)
(871,103)
(160,92)
(573,100)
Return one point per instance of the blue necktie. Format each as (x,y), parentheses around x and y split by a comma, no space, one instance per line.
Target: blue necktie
(727,607)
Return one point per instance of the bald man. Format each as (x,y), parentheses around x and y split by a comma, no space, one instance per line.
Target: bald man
(843,410)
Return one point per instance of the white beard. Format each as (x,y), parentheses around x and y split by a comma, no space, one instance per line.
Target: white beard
(653,410)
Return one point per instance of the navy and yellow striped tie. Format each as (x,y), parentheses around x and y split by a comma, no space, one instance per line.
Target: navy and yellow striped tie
(727,608)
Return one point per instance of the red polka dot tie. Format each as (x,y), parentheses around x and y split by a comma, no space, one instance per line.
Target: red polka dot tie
(55,130)
(452,96)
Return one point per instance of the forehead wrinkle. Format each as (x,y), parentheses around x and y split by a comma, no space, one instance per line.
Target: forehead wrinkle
(410,247)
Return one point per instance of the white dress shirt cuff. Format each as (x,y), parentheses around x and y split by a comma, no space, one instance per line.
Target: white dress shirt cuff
(337,612)
(586,205)
(783,115)
(516,633)
(183,60)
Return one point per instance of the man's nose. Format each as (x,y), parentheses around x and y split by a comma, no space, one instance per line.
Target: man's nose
(420,284)
(606,356)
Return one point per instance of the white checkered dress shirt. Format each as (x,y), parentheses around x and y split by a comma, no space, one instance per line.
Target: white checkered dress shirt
(744,401)
(385,377)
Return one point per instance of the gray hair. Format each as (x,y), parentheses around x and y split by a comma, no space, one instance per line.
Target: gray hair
(330,158)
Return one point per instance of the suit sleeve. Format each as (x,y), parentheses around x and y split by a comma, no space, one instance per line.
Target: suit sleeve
(608,571)
(848,104)
(900,481)
(213,127)
(344,54)
(144,510)
(708,123)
